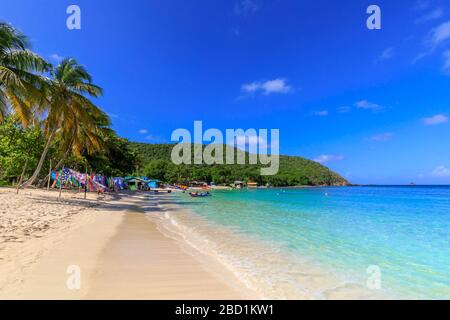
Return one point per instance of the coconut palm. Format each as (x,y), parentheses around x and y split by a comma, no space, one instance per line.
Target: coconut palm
(85,139)
(70,113)
(81,140)
(21,85)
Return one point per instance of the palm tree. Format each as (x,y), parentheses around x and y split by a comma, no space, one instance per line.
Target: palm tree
(69,110)
(21,85)
(81,140)
(85,139)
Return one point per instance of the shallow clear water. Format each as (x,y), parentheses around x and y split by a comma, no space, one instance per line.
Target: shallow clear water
(319,242)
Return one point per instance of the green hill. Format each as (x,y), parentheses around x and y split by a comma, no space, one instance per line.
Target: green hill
(155,162)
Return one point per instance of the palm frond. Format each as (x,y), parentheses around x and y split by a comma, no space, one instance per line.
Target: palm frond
(9,78)
(25,60)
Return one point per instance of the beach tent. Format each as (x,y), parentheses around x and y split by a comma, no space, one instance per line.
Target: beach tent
(153,183)
(135,183)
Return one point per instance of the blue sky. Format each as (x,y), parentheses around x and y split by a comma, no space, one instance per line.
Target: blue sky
(371,104)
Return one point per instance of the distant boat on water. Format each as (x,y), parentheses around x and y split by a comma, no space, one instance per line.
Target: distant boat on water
(199,195)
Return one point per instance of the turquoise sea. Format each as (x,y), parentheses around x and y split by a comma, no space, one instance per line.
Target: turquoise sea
(326,243)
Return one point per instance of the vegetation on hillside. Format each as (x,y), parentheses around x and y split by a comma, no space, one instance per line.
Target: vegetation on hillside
(294,171)
(47,114)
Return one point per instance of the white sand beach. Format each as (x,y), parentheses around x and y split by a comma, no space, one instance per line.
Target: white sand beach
(118,251)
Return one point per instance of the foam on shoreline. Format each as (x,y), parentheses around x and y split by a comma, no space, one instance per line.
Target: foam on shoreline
(263,267)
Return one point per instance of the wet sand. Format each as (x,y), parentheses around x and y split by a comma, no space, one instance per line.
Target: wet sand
(143,263)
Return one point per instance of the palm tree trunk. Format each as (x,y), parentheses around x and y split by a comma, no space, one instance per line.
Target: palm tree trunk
(41,160)
(66,154)
(21,176)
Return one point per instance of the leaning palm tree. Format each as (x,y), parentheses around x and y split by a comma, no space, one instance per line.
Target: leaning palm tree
(68,107)
(21,83)
(80,140)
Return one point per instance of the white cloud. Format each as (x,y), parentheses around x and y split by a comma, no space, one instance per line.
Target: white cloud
(113,115)
(382,137)
(251,87)
(276,86)
(441,171)
(268,87)
(437,36)
(386,54)
(440,34)
(367,105)
(143,131)
(344,109)
(56,57)
(325,158)
(435,120)
(322,113)
(245,7)
(432,15)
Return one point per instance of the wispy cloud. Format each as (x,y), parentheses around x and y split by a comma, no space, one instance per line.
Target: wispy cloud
(268,87)
(113,115)
(435,120)
(344,109)
(143,131)
(382,137)
(387,54)
(440,34)
(430,16)
(446,67)
(56,57)
(367,105)
(436,37)
(246,7)
(441,171)
(322,113)
(325,158)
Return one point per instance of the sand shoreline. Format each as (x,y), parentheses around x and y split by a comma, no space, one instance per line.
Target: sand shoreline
(117,250)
